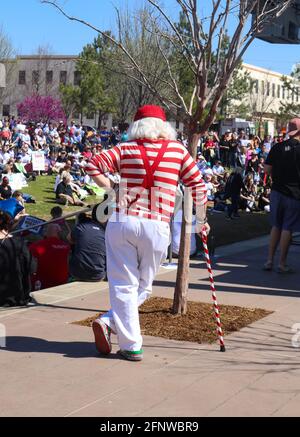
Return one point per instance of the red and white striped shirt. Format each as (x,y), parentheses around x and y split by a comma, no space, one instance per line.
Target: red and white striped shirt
(159,202)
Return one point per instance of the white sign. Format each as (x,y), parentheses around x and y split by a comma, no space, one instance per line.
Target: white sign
(29,221)
(17,181)
(38,161)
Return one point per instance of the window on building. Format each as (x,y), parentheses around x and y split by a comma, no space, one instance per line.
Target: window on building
(254,86)
(273,89)
(35,77)
(6,111)
(297,94)
(77,78)
(22,77)
(263,87)
(63,78)
(278,91)
(268,88)
(49,77)
(283,92)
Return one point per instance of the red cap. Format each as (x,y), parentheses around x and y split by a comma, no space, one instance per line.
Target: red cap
(150,111)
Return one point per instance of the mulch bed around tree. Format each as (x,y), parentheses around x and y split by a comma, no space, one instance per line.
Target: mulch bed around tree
(198,325)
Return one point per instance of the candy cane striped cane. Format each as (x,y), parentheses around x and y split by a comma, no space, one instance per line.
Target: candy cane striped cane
(213,289)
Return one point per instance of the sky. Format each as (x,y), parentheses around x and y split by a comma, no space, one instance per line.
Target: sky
(30,24)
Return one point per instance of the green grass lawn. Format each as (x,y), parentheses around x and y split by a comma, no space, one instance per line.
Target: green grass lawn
(42,191)
(250,225)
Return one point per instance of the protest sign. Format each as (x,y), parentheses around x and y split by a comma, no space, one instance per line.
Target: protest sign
(38,161)
(29,221)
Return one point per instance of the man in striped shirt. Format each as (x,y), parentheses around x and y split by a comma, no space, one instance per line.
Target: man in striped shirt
(151,165)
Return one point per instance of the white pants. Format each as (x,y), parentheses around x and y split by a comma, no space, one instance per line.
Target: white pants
(135,248)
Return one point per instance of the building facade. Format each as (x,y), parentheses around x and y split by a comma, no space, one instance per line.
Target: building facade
(267,94)
(43,75)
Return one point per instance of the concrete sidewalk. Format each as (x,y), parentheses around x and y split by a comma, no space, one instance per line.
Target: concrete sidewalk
(50,367)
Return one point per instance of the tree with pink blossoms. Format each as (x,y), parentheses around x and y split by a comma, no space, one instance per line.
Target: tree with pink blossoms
(41,109)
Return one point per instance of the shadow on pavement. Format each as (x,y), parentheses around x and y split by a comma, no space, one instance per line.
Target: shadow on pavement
(69,349)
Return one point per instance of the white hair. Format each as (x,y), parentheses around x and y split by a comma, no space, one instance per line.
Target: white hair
(151,128)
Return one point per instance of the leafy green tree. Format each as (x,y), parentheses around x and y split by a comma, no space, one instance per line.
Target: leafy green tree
(92,92)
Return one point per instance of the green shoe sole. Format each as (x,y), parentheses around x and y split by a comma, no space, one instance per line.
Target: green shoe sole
(131,355)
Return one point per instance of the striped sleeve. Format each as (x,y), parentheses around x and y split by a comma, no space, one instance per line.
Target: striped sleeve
(192,178)
(107,162)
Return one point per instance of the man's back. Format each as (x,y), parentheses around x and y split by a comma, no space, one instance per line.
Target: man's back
(285,161)
(176,164)
(88,261)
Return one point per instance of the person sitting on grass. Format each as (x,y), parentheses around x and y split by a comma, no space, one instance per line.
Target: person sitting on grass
(248,198)
(18,195)
(5,189)
(65,195)
(57,215)
(218,169)
(264,200)
(209,187)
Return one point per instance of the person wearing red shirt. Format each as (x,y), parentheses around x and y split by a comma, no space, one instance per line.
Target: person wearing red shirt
(52,255)
(209,148)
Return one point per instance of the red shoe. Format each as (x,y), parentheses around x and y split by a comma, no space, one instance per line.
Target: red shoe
(102,337)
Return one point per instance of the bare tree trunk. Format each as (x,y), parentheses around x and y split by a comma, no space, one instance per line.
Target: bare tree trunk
(182,280)
(100,120)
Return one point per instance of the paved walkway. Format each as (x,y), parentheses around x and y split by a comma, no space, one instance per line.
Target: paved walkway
(50,368)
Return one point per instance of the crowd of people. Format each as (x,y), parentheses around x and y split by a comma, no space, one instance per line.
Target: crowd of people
(232,167)
(65,150)
(68,149)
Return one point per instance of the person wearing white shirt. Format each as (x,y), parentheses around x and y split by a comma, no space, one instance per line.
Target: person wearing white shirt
(218,169)
(41,139)
(209,187)
(5,155)
(26,149)
(207,171)
(25,138)
(25,157)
